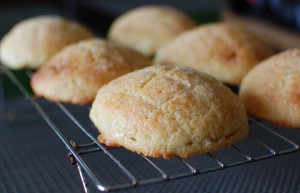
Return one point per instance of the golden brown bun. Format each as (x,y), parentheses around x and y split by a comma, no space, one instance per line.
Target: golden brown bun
(75,74)
(225,51)
(147,28)
(34,41)
(166,111)
(271,90)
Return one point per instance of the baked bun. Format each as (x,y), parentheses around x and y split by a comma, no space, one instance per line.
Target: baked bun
(224,51)
(166,111)
(147,28)
(34,41)
(75,74)
(271,90)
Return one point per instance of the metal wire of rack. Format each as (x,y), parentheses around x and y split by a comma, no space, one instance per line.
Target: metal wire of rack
(264,141)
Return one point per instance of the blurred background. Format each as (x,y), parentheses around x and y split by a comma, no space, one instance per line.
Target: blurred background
(98,14)
(283,15)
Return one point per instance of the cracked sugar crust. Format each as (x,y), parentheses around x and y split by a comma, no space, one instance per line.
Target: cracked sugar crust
(166,111)
(75,74)
(147,28)
(32,42)
(271,90)
(224,51)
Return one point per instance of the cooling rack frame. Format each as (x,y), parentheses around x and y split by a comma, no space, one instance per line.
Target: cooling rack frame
(87,176)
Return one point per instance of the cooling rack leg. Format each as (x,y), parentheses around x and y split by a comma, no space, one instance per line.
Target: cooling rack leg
(81,174)
(83,179)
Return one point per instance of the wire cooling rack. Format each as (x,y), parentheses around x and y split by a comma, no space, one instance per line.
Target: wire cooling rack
(117,168)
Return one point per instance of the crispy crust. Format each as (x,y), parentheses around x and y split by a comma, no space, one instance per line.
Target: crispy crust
(34,41)
(167,111)
(222,50)
(75,74)
(271,90)
(147,28)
